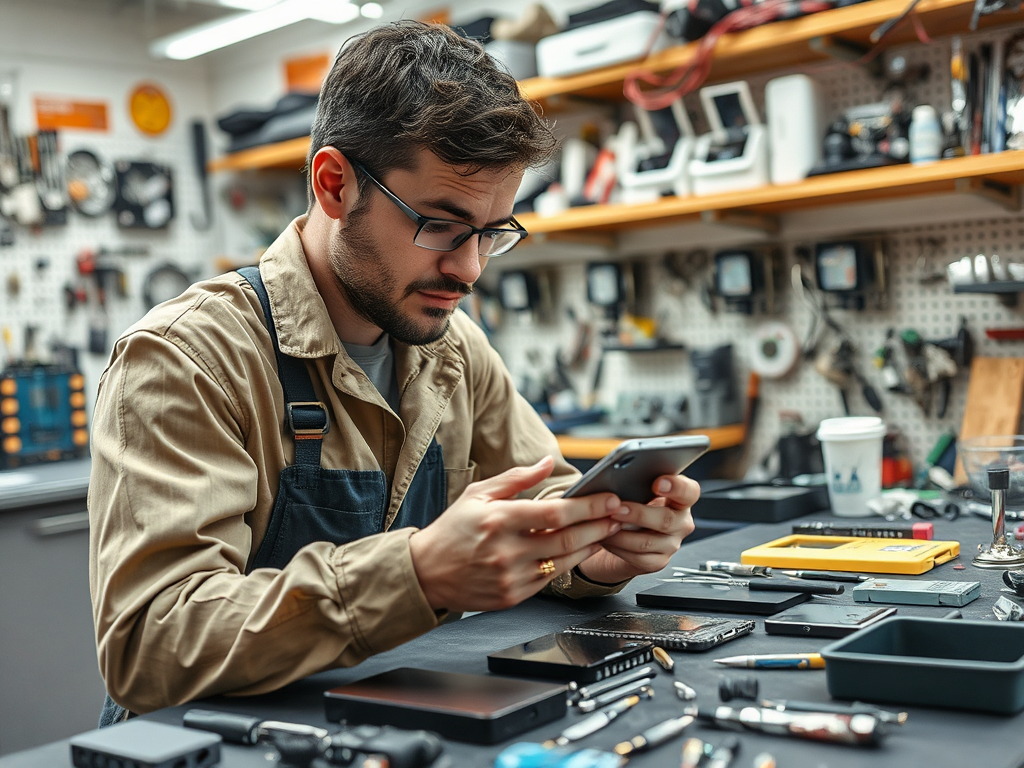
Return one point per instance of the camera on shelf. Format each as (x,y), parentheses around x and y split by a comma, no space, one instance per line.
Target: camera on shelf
(866,136)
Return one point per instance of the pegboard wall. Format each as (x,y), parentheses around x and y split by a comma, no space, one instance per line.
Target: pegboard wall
(929,307)
(35,270)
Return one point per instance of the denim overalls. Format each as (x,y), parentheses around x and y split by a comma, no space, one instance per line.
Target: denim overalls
(316,504)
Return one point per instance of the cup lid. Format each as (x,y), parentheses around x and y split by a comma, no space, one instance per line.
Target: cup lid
(851,428)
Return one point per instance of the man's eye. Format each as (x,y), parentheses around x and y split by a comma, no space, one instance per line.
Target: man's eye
(441,228)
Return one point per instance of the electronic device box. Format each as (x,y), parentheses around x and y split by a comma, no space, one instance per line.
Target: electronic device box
(614,41)
(796,126)
(734,155)
(653,154)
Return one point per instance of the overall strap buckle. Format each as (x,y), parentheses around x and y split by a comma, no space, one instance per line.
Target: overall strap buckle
(308,420)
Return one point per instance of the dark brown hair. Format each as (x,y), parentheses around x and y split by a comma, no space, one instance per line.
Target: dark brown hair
(408,85)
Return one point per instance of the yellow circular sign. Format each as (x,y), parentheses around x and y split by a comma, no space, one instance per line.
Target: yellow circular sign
(150,109)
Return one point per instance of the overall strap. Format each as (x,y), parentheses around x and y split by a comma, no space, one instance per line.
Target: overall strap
(305,416)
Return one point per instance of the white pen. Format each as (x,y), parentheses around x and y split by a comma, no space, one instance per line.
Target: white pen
(594,723)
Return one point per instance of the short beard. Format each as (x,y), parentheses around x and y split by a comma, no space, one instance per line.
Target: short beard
(369,290)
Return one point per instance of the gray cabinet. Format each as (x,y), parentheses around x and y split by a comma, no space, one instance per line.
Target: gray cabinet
(50,686)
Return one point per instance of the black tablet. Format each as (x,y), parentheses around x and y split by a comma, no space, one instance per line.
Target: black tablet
(701,596)
(482,709)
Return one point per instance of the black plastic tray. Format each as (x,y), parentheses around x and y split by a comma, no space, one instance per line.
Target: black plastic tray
(974,665)
(759,503)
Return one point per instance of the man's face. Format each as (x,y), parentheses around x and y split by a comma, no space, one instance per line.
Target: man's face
(407,291)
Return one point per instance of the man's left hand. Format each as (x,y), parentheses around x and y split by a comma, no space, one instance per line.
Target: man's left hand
(651,533)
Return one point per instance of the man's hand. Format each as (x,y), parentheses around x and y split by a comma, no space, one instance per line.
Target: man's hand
(651,535)
(484,551)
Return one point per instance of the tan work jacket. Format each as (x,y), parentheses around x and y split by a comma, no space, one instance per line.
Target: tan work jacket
(188,442)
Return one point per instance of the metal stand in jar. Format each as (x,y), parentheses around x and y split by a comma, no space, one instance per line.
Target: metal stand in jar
(1000,553)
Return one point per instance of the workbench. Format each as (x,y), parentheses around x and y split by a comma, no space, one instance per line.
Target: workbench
(931,737)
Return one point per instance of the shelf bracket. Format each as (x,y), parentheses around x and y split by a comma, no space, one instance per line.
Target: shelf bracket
(844,50)
(760,222)
(1006,196)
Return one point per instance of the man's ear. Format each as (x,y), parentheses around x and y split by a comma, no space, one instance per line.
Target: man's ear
(333,182)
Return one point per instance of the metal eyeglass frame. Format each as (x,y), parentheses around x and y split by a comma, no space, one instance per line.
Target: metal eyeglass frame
(423,221)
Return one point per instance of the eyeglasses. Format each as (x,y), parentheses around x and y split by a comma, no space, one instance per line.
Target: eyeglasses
(447,235)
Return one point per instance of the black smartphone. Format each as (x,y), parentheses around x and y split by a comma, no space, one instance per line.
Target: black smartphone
(630,470)
(820,620)
(564,656)
(674,631)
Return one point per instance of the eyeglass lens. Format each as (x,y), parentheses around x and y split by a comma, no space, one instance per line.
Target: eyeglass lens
(449,235)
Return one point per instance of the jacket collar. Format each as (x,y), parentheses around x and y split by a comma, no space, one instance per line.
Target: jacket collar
(304,327)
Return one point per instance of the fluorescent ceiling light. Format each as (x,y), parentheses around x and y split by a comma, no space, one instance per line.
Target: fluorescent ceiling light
(246,5)
(234,29)
(371,10)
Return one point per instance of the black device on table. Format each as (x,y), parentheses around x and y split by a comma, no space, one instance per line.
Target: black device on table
(704,596)
(824,620)
(481,709)
(630,470)
(571,657)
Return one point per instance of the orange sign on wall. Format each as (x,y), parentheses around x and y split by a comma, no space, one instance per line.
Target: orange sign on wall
(56,112)
(150,109)
(306,73)
(441,15)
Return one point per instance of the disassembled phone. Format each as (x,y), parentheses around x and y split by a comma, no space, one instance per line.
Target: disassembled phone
(820,620)
(630,470)
(673,631)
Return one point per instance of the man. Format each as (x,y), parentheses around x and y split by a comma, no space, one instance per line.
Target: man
(306,464)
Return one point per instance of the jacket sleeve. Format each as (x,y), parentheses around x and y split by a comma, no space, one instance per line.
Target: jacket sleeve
(177,617)
(508,432)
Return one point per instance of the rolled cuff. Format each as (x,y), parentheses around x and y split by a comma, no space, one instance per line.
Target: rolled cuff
(380,592)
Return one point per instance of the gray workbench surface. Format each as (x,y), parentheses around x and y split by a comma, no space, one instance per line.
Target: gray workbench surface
(36,484)
(931,737)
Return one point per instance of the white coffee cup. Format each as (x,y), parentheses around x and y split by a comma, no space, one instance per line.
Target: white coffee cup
(852,447)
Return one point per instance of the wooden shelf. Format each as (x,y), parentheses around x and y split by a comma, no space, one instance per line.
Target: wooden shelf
(982,174)
(287,155)
(598,447)
(778,45)
(771,46)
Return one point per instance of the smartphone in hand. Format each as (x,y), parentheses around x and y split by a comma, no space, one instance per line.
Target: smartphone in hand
(630,470)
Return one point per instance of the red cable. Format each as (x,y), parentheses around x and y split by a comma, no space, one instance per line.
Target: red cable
(688,77)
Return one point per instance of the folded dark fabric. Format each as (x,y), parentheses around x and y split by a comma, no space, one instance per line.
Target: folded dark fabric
(610,10)
(290,125)
(245,121)
(479,30)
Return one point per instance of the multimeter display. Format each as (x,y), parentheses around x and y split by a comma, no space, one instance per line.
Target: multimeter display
(837,267)
(735,276)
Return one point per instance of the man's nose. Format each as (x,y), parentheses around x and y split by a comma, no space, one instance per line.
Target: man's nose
(464,263)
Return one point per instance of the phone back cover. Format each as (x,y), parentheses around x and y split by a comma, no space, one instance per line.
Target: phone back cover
(482,709)
(718,597)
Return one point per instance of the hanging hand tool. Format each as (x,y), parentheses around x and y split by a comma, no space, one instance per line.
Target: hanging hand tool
(837,365)
(202,221)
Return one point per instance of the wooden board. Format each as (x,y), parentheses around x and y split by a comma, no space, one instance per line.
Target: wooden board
(994,395)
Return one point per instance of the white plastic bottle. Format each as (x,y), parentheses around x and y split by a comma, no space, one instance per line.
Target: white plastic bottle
(926,137)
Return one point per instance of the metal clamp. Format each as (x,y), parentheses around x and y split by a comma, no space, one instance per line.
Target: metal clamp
(310,431)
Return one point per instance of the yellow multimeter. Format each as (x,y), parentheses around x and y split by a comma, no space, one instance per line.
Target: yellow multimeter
(850,553)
